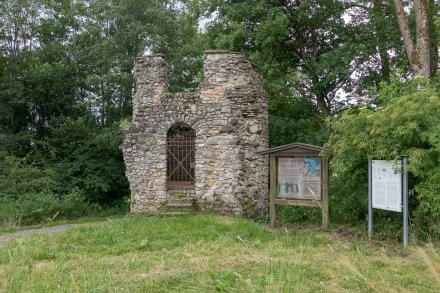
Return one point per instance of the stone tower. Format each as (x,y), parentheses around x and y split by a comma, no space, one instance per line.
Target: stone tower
(200,146)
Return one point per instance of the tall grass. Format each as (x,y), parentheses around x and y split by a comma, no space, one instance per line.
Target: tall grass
(199,253)
(40,208)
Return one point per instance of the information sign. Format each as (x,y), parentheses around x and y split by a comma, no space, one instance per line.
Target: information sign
(388,190)
(387,185)
(299,178)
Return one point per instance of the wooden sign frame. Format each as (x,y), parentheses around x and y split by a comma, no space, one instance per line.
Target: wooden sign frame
(298,151)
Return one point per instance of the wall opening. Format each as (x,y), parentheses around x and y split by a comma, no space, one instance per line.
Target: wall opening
(180,157)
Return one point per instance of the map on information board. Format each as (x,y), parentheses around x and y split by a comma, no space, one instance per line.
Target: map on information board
(299,178)
(387,185)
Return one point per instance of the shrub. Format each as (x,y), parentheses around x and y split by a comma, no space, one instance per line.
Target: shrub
(400,124)
(87,157)
(34,208)
(28,195)
(17,177)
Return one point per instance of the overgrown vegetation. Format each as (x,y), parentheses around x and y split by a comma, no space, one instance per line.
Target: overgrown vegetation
(404,120)
(76,171)
(198,253)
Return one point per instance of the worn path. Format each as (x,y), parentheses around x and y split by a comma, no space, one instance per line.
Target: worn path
(6,238)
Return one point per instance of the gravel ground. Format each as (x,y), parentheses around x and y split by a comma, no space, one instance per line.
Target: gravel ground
(6,238)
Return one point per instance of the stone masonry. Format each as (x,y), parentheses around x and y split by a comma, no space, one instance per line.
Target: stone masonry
(229,115)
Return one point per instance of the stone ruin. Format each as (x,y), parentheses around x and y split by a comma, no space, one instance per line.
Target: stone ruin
(199,149)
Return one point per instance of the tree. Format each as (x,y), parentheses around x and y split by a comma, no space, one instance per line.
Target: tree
(16,41)
(322,50)
(421,45)
(377,27)
(38,81)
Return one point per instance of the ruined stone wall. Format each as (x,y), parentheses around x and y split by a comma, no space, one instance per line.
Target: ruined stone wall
(230,118)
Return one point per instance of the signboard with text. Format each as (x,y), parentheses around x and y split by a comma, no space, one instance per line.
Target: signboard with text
(388,190)
(387,185)
(299,178)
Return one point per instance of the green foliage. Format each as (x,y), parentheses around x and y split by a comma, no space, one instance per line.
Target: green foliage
(406,122)
(76,171)
(35,208)
(27,194)
(38,81)
(16,144)
(295,120)
(307,49)
(87,157)
(115,33)
(18,178)
(425,165)
(298,215)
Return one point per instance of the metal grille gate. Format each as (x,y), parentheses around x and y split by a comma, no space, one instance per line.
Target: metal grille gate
(180,157)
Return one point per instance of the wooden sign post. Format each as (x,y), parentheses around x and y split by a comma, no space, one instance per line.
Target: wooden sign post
(298,177)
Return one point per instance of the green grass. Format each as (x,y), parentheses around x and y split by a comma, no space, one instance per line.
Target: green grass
(200,253)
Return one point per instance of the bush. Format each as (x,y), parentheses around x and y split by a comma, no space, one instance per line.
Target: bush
(87,157)
(17,177)
(40,208)
(28,195)
(401,124)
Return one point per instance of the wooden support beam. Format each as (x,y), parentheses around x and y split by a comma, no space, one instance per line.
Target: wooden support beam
(300,203)
(324,193)
(273,190)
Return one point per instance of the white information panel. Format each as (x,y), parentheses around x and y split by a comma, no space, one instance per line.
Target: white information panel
(387,185)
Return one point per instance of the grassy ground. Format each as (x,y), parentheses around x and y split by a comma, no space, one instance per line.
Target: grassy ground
(198,253)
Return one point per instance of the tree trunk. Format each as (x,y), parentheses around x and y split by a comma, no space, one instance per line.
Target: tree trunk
(418,48)
(323,105)
(434,37)
(423,42)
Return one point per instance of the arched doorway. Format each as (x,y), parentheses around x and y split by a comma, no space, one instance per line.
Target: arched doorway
(180,157)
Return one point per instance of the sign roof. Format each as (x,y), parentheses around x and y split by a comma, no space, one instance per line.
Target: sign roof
(295,148)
